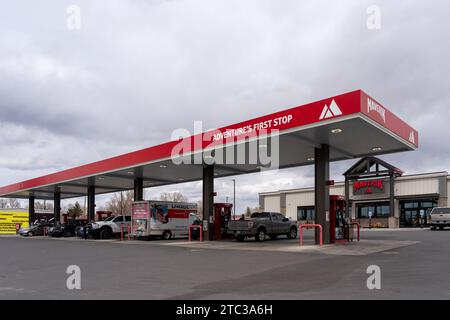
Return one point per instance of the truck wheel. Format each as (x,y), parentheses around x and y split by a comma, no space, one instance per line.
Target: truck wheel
(292,233)
(105,234)
(166,235)
(260,235)
(240,238)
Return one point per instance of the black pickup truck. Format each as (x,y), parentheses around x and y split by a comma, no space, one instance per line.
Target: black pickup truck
(262,224)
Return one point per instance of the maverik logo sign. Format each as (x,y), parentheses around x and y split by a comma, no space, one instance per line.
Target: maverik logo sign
(412,138)
(373,106)
(330,111)
(368,187)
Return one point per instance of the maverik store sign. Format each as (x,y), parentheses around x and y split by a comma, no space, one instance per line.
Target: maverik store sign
(368,187)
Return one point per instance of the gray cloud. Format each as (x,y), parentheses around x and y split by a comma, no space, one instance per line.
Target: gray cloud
(136,70)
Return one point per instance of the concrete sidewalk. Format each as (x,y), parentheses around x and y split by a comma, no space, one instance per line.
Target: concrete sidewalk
(364,247)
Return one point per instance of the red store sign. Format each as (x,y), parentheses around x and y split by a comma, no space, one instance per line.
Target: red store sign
(370,186)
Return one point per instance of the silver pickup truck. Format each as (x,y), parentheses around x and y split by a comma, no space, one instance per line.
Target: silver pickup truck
(262,224)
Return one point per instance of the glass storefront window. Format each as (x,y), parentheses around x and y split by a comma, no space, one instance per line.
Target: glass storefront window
(379,210)
(305,213)
(428,204)
(411,205)
(385,210)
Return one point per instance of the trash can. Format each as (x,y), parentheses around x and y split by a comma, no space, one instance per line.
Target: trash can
(348,232)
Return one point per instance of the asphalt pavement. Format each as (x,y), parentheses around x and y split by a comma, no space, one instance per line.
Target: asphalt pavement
(416,267)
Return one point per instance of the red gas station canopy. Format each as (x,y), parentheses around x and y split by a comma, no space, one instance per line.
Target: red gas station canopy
(354,125)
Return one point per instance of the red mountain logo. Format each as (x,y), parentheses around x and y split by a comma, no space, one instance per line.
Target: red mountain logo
(330,111)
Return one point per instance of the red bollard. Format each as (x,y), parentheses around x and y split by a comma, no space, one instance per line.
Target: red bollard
(311,226)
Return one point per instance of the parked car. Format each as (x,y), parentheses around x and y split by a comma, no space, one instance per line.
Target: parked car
(35,229)
(262,224)
(67,229)
(439,218)
(109,227)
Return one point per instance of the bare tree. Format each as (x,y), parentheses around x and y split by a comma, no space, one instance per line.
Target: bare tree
(43,205)
(120,203)
(3,204)
(249,211)
(200,209)
(13,203)
(173,196)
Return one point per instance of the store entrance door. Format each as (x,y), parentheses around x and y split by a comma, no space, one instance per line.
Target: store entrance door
(410,211)
(408,218)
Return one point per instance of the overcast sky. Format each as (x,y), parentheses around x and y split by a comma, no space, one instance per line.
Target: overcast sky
(137,70)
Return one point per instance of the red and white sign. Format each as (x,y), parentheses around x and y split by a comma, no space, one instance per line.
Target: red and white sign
(140,210)
(375,111)
(368,186)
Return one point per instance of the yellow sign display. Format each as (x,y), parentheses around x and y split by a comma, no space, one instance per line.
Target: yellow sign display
(10,219)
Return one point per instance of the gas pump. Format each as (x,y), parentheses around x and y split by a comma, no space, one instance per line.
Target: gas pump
(222,215)
(337,219)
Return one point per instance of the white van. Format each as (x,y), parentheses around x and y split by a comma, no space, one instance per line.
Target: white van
(163,219)
(439,218)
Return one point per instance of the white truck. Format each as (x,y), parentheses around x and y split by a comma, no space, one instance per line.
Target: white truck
(109,227)
(163,219)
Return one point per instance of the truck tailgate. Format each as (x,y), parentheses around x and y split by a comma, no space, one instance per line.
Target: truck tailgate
(238,225)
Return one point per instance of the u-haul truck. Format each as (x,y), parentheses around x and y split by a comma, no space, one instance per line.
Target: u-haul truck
(162,218)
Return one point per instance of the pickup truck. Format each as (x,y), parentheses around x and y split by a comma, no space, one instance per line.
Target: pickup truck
(262,224)
(439,218)
(109,227)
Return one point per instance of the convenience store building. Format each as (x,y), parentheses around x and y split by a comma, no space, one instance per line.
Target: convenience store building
(396,207)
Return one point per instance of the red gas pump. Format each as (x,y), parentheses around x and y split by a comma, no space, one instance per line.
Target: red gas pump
(337,219)
(222,215)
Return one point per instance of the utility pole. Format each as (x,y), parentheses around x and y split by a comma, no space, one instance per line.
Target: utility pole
(234,198)
(121,203)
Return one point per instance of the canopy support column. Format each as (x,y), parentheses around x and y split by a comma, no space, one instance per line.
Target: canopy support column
(57,207)
(138,189)
(348,213)
(322,192)
(208,201)
(91,203)
(31,211)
